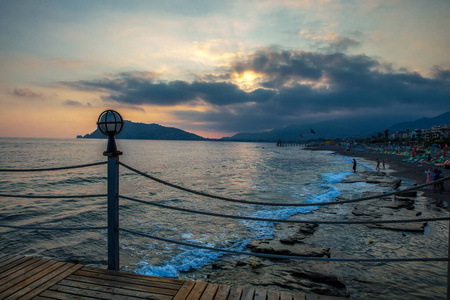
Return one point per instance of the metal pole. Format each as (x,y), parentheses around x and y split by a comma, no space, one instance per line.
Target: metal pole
(113,212)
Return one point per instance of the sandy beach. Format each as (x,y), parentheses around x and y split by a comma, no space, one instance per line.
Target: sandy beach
(355,280)
(395,166)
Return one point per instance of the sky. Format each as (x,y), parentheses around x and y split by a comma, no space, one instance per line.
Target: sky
(216,68)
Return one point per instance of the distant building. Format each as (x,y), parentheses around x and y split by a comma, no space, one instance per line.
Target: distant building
(435,133)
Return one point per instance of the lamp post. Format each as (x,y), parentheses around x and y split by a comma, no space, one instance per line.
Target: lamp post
(110,123)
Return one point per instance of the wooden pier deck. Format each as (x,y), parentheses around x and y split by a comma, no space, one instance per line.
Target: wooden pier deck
(26,277)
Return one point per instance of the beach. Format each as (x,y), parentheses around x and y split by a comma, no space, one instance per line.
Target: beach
(395,166)
(355,280)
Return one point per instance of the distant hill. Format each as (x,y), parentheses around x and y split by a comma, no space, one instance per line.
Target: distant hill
(422,123)
(354,127)
(141,131)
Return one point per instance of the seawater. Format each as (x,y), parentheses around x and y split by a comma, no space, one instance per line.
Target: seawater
(251,171)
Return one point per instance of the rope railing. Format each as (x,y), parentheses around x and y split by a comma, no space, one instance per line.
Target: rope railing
(55,228)
(283,220)
(282,204)
(274,256)
(53,196)
(55,169)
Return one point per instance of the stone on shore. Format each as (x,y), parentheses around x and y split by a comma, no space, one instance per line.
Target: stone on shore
(390,208)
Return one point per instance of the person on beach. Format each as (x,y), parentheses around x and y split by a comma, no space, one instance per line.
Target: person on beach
(383,164)
(378,165)
(354,166)
(429,177)
(435,177)
(440,184)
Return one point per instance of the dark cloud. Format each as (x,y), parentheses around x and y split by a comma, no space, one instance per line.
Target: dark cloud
(340,45)
(26,93)
(295,86)
(441,73)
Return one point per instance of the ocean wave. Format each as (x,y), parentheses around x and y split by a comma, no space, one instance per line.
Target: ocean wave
(335,177)
(186,260)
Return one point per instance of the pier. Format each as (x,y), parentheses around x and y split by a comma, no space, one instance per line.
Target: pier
(26,277)
(281,143)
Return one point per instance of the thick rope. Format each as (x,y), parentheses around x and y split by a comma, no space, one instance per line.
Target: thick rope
(53,196)
(54,169)
(273,256)
(55,228)
(283,220)
(281,204)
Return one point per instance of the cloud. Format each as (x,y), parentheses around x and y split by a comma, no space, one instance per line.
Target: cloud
(26,93)
(138,88)
(331,42)
(69,102)
(291,86)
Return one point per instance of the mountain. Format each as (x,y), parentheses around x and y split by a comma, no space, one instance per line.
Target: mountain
(141,131)
(422,123)
(342,128)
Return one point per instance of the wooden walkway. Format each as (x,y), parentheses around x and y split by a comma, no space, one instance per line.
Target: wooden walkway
(26,277)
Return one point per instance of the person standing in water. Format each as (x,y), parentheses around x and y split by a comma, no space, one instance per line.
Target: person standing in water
(354,166)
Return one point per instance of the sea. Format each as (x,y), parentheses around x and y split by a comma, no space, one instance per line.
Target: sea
(259,172)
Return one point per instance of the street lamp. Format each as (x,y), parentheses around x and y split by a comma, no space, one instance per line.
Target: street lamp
(110,123)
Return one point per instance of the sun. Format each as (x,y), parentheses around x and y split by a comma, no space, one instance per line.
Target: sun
(246,80)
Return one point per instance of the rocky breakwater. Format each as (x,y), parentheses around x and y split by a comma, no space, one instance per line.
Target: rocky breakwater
(281,274)
(401,206)
(300,240)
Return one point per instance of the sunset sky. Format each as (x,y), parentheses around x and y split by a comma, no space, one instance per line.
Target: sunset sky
(216,68)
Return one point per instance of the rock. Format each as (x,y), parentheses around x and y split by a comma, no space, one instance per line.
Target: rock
(396,184)
(308,228)
(410,227)
(408,194)
(270,246)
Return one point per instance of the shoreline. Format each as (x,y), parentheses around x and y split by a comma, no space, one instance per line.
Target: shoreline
(396,167)
(365,241)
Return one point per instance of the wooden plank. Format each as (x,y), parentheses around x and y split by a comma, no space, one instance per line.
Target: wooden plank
(107,289)
(38,279)
(197,291)
(273,295)
(210,291)
(247,293)
(90,293)
(20,269)
(235,293)
(4,257)
(11,262)
(117,276)
(132,286)
(43,298)
(177,281)
(184,290)
(222,292)
(285,295)
(299,296)
(62,296)
(20,280)
(260,294)
(135,287)
(72,268)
